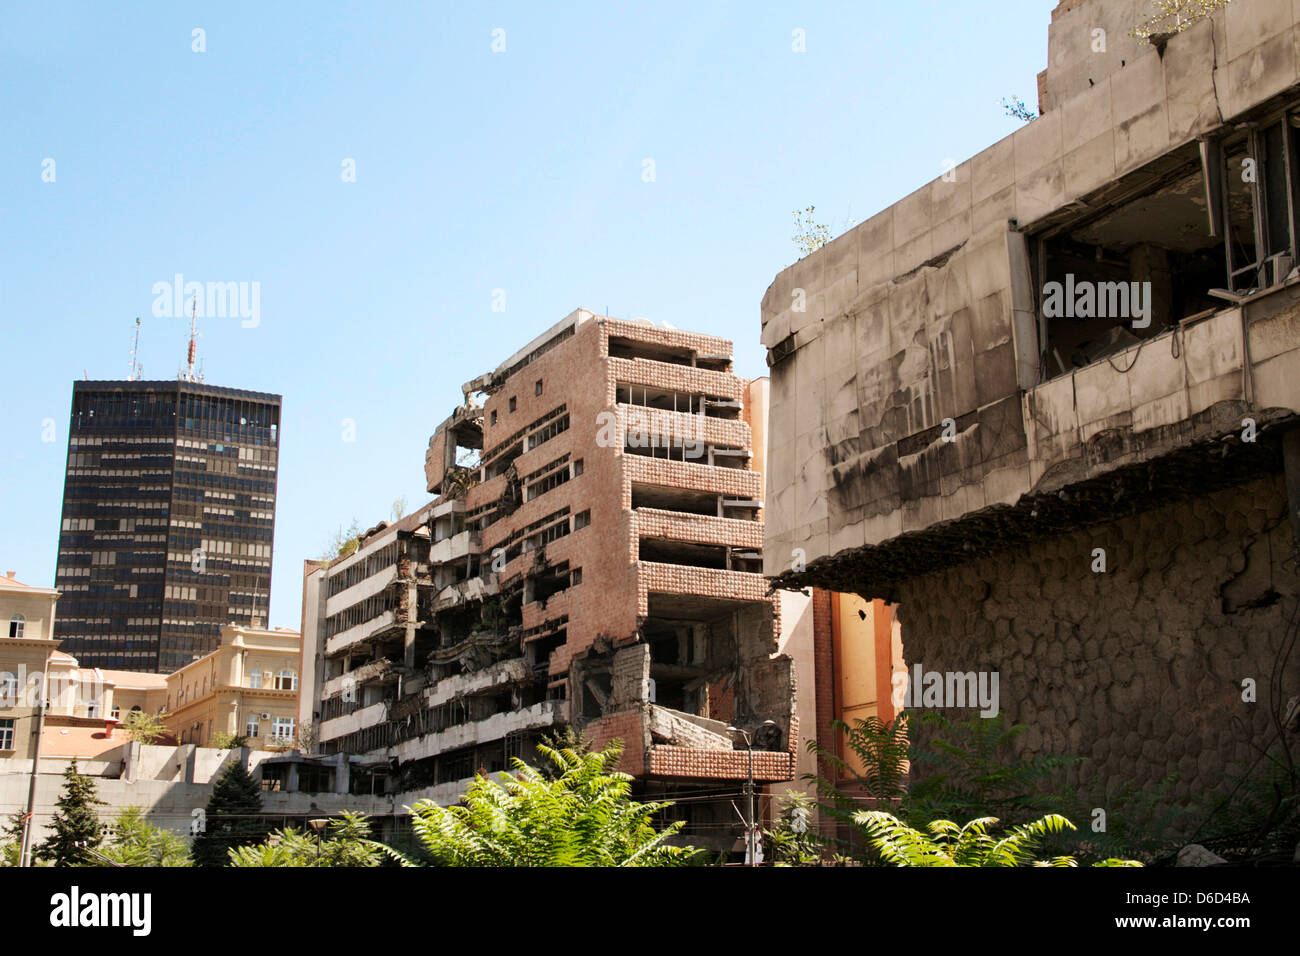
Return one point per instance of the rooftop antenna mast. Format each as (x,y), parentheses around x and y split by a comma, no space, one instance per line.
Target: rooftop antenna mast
(190,375)
(136,368)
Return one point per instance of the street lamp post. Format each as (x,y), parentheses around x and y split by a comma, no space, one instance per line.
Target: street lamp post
(751,833)
(318,827)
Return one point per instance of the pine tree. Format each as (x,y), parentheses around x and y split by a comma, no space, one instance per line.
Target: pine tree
(133,841)
(76,823)
(11,840)
(232,818)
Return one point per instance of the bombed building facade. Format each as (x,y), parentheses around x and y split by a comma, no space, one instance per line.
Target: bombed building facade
(593,557)
(1047,403)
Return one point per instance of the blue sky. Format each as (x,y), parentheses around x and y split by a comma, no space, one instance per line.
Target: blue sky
(475,171)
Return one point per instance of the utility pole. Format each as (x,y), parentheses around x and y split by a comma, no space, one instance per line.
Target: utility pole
(751,826)
(25,856)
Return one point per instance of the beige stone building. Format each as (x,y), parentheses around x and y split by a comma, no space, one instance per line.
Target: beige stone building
(84,704)
(28,619)
(247,687)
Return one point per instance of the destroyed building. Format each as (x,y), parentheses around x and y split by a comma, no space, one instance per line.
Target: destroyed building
(593,557)
(1086,486)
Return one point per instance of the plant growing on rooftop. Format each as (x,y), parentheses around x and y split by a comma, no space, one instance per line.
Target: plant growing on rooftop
(1015,108)
(344,542)
(1173,16)
(144,727)
(809,236)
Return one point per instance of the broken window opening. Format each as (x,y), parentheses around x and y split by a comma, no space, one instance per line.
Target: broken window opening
(625,348)
(665,551)
(684,500)
(596,691)
(547,432)
(542,587)
(550,482)
(504,462)
(672,400)
(669,448)
(1221,219)
(538,652)
(373,782)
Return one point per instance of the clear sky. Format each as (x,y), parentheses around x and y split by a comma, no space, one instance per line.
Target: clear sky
(475,171)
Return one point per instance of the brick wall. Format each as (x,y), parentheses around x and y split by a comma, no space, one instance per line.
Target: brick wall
(667,761)
(626,726)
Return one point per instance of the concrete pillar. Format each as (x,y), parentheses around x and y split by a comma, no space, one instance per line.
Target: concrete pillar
(408,645)
(190,755)
(131,761)
(292,785)
(342,773)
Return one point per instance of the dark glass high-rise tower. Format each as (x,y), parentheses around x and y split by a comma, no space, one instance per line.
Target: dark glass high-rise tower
(168,520)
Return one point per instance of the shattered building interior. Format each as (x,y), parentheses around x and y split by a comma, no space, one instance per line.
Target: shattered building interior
(1215,216)
(592,557)
(1100,509)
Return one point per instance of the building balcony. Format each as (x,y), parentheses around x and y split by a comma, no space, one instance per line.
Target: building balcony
(738,586)
(455,548)
(697,528)
(649,428)
(361,632)
(547,713)
(681,378)
(361,590)
(731,482)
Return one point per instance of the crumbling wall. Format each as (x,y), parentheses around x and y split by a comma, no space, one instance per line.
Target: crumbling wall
(630,676)
(765,684)
(919,314)
(1139,668)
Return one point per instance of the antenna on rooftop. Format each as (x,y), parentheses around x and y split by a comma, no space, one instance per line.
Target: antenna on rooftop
(190,375)
(136,368)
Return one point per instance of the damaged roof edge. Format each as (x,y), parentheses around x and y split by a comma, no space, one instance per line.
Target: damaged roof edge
(572,320)
(1072,498)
